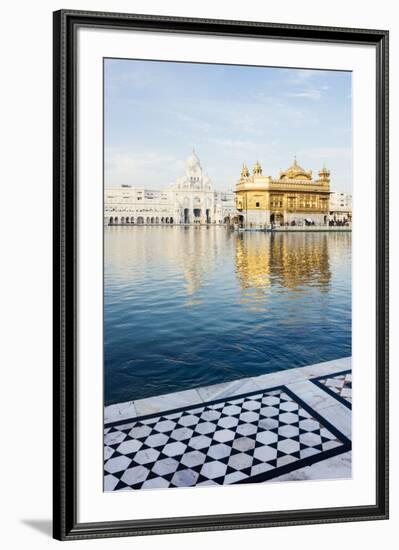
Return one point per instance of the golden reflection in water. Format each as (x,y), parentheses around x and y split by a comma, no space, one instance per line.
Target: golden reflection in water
(290,260)
(264,262)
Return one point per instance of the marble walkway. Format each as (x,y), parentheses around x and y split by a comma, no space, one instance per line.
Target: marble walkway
(288,425)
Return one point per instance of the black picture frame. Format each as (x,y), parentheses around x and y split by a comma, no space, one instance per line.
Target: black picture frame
(66,23)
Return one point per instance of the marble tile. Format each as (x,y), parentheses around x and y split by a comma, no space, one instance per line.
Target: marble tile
(130,446)
(240,461)
(200,442)
(181,434)
(314,396)
(119,411)
(117,464)
(146,456)
(190,420)
(328,367)
(248,429)
(167,402)
(265,453)
(156,440)
(135,475)
(211,415)
(224,435)
(140,431)
(234,477)
(193,458)
(278,378)
(340,417)
(228,389)
(261,468)
(214,469)
(108,452)
(288,446)
(165,426)
(156,483)
(266,437)
(165,466)
(205,428)
(185,478)
(219,451)
(249,416)
(110,482)
(227,442)
(337,467)
(244,444)
(174,449)
(113,437)
(228,422)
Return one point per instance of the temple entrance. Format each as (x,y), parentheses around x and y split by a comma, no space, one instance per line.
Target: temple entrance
(277,217)
(197,214)
(186,215)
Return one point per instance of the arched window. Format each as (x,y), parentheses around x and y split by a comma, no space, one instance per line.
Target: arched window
(111,220)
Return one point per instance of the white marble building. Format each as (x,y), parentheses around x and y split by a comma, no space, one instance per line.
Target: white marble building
(189,199)
(340,207)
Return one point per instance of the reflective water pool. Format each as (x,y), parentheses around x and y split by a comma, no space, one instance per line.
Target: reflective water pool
(191,306)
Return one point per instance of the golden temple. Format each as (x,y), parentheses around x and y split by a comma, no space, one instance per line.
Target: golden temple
(294,198)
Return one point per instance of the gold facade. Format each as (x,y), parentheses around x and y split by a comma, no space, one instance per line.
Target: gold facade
(291,198)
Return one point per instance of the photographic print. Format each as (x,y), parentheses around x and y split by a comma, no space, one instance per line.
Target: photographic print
(227,274)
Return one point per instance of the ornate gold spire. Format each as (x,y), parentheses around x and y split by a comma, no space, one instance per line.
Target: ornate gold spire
(244,171)
(257,169)
(324,173)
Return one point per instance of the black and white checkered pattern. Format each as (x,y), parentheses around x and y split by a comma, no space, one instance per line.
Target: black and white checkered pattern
(244,439)
(339,385)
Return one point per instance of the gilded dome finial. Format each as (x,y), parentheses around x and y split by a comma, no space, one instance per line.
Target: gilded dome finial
(257,169)
(244,171)
(324,172)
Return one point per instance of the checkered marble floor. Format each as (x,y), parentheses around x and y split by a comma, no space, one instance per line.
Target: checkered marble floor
(339,385)
(245,439)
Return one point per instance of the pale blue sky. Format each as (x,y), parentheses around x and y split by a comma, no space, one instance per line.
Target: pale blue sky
(157,112)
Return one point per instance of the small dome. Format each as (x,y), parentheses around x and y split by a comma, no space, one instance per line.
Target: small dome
(244,171)
(324,172)
(257,168)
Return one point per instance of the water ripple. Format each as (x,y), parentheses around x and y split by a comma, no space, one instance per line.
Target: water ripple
(189,307)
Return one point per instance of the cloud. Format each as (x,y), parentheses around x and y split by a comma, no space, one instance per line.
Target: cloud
(139,168)
(314,94)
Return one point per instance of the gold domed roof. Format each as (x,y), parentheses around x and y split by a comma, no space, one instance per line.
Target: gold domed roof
(295,171)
